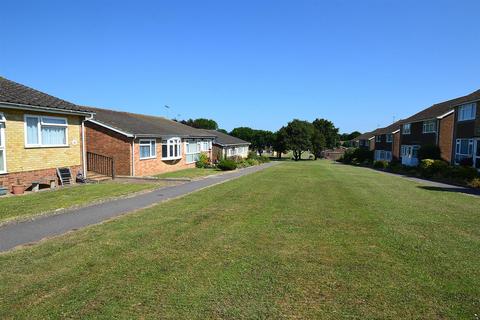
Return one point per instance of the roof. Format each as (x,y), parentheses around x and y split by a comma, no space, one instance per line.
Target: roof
(144,125)
(15,93)
(364,136)
(224,139)
(389,129)
(441,109)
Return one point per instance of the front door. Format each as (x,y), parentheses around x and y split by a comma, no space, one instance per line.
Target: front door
(3,160)
(476,154)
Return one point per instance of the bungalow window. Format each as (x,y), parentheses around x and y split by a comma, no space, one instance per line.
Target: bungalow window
(45,131)
(463,149)
(406,128)
(192,150)
(378,138)
(467,112)
(429,126)
(148,149)
(205,146)
(172,149)
(389,137)
(3,165)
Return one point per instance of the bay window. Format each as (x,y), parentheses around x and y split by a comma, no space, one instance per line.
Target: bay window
(45,131)
(3,165)
(172,149)
(467,112)
(463,149)
(148,149)
(429,126)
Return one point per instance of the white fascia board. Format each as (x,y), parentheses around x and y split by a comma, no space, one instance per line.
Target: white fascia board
(19,106)
(446,114)
(111,128)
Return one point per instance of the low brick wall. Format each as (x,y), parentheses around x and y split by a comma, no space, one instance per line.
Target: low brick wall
(27,177)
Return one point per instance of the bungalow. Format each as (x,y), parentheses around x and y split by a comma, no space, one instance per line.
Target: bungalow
(431,126)
(466,130)
(38,134)
(387,142)
(132,144)
(225,146)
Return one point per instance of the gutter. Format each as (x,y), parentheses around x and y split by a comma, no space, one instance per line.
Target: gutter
(45,109)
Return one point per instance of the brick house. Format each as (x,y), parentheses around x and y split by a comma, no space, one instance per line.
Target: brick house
(387,142)
(431,126)
(466,130)
(364,140)
(225,146)
(38,134)
(142,145)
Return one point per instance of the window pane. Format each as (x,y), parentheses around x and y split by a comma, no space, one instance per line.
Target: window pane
(32,130)
(164,150)
(153,150)
(47,120)
(171,151)
(144,151)
(2,160)
(54,136)
(1,128)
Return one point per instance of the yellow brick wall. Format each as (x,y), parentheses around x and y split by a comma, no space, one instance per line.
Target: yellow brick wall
(21,159)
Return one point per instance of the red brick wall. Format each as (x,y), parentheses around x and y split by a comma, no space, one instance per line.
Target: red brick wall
(445,137)
(111,144)
(27,177)
(396,146)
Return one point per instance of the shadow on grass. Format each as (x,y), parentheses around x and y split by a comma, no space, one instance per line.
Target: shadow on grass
(470,191)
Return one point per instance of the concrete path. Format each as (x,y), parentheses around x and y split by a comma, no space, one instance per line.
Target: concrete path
(12,235)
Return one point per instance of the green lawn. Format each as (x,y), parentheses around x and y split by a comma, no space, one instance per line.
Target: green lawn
(298,240)
(35,203)
(190,173)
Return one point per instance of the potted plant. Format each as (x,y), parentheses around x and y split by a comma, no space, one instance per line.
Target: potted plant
(18,188)
(3,190)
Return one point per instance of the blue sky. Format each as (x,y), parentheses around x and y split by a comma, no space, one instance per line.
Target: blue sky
(247,63)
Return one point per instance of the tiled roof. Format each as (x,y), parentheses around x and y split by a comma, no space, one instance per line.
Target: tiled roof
(12,92)
(145,125)
(224,139)
(389,129)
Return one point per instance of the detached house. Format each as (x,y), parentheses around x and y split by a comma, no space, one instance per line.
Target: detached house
(387,142)
(38,134)
(431,126)
(132,144)
(225,146)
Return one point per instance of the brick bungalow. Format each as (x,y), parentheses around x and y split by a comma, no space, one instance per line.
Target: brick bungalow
(143,145)
(225,146)
(431,126)
(387,142)
(38,134)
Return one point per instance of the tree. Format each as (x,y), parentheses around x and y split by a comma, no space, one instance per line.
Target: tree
(262,139)
(318,143)
(328,130)
(299,137)
(201,123)
(222,131)
(244,133)
(280,142)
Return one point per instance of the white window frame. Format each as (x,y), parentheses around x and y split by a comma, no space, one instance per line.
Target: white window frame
(152,144)
(407,128)
(199,149)
(383,155)
(3,143)
(429,126)
(464,115)
(378,138)
(175,142)
(470,149)
(389,137)
(41,124)
(205,145)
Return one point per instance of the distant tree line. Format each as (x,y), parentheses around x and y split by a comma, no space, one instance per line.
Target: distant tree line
(297,136)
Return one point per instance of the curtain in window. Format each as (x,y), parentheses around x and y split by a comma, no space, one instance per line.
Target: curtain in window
(54,135)
(32,131)
(144,151)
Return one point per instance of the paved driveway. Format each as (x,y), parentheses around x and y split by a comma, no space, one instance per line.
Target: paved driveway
(12,235)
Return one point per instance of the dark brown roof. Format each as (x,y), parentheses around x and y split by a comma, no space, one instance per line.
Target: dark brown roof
(144,125)
(224,139)
(442,108)
(12,92)
(365,136)
(389,129)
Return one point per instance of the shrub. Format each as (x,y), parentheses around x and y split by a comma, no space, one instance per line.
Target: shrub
(381,164)
(263,159)
(430,167)
(253,162)
(227,165)
(252,155)
(464,173)
(474,183)
(203,161)
(429,152)
(395,166)
(357,156)
(236,159)
(243,164)
(466,162)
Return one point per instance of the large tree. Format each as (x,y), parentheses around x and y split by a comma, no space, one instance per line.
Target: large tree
(201,123)
(244,133)
(262,139)
(299,137)
(329,131)
(318,143)
(280,142)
